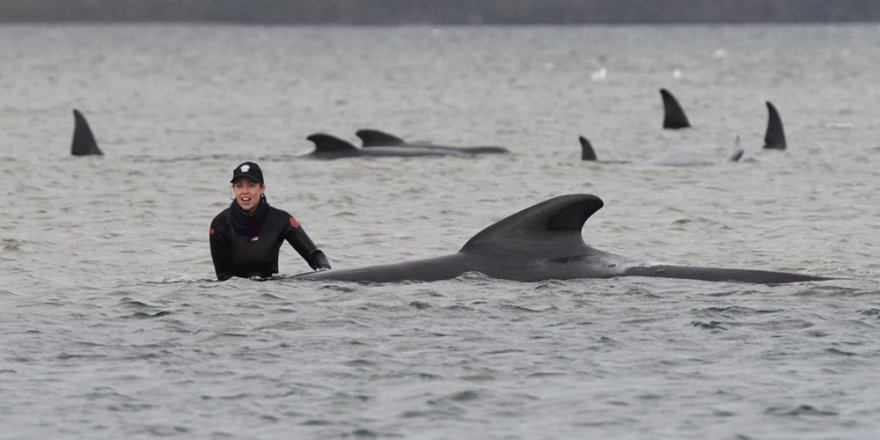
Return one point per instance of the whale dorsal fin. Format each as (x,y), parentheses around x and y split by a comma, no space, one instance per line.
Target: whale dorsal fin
(83,143)
(774,138)
(736,152)
(587,151)
(325,143)
(673,114)
(554,224)
(375,138)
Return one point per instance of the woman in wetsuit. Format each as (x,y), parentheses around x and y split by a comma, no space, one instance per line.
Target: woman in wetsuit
(246,237)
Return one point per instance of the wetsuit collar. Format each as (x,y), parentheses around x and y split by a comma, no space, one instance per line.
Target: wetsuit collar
(248,224)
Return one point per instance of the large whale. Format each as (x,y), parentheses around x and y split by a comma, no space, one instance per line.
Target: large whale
(673,114)
(332,147)
(371,138)
(544,242)
(83,143)
(673,158)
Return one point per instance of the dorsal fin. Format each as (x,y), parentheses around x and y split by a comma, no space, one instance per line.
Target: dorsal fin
(673,114)
(376,138)
(325,143)
(83,143)
(587,151)
(736,152)
(552,224)
(774,138)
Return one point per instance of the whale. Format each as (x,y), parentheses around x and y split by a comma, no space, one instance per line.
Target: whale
(671,159)
(544,242)
(371,138)
(331,147)
(83,143)
(774,139)
(774,136)
(675,118)
(673,115)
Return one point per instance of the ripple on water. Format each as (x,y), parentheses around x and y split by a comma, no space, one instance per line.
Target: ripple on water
(113,325)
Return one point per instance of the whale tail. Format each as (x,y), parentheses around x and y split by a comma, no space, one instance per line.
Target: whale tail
(673,114)
(326,144)
(83,143)
(587,151)
(375,138)
(774,138)
(736,152)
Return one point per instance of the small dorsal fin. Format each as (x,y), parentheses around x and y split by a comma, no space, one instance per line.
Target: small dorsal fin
(736,152)
(774,138)
(673,114)
(83,143)
(587,151)
(552,224)
(376,138)
(325,143)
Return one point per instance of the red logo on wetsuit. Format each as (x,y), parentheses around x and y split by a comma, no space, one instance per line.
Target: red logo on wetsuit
(212,231)
(293,222)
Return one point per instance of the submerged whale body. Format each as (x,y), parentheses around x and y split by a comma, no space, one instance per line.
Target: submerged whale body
(83,143)
(543,242)
(332,147)
(371,138)
(673,115)
(672,159)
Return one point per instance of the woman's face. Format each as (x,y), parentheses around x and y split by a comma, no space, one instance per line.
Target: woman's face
(247,193)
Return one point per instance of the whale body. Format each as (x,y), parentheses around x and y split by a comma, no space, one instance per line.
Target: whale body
(331,147)
(543,242)
(371,138)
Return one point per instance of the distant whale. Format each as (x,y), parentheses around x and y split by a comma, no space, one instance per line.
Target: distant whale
(332,147)
(673,114)
(374,138)
(774,137)
(672,159)
(83,143)
(543,242)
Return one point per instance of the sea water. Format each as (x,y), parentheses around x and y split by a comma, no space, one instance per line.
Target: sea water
(112,325)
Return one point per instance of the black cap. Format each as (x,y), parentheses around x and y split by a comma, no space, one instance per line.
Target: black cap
(248,169)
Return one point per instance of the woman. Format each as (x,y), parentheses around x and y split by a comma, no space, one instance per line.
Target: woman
(246,236)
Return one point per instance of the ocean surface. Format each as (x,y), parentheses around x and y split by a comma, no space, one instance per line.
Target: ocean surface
(112,325)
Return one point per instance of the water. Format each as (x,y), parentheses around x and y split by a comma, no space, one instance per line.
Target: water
(112,325)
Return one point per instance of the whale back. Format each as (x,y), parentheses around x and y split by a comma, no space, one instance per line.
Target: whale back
(553,225)
(774,137)
(83,143)
(587,151)
(673,114)
(375,138)
(331,145)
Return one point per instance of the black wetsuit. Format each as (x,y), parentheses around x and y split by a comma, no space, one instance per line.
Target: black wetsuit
(246,246)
